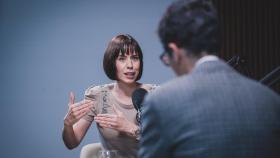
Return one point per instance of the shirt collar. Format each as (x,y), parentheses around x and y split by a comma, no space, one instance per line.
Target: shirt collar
(205,59)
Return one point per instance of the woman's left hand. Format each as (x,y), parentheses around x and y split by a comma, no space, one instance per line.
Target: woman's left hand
(115,121)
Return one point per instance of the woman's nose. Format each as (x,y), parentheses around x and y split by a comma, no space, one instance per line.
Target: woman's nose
(129,63)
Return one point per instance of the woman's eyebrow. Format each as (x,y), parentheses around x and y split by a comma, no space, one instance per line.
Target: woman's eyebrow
(121,54)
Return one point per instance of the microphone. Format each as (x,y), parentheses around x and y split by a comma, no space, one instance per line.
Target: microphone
(138,96)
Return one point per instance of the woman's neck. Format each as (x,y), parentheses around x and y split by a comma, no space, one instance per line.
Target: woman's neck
(124,90)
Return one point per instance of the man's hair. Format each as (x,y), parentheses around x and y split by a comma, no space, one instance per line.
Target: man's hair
(192,25)
(123,44)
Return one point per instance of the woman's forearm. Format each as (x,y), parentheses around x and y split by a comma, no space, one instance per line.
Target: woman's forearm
(69,137)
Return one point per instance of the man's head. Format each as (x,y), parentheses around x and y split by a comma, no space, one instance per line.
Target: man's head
(189,28)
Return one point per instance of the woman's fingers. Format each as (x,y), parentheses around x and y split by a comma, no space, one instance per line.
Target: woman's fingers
(82,105)
(71,98)
(115,121)
(101,118)
(82,113)
(76,110)
(107,123)
(81,110)
(106,115)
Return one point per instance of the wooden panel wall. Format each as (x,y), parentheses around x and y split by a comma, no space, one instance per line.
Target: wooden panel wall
(250,28)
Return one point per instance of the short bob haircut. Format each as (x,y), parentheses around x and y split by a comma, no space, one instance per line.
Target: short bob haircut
(120,44)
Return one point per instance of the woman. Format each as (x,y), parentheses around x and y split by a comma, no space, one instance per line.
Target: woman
(110,105)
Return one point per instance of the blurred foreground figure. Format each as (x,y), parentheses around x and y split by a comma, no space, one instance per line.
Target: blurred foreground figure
(209,110)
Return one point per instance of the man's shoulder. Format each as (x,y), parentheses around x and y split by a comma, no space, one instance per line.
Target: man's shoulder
(260,90)
(167,90)
(150,87)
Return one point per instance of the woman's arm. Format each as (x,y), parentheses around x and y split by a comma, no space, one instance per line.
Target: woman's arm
(75,128)
(73,135)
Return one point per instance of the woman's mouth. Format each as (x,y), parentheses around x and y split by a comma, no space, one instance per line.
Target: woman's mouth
(130,75)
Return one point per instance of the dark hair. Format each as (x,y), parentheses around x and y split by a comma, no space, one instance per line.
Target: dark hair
(192,25)
(120,44)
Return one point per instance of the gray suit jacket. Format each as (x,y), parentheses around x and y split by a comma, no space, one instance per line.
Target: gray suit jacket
(213,112)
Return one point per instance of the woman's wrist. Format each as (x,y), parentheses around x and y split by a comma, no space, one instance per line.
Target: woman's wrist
(134,131)
(67,125)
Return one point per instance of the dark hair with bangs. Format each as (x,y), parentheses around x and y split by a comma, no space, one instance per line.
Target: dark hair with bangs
(120,44)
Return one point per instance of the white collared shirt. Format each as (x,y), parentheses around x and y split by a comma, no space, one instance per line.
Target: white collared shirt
(205,59)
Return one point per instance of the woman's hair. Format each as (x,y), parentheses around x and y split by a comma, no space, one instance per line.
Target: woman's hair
(120,44)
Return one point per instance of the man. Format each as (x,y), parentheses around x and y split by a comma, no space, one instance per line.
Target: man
(209,110)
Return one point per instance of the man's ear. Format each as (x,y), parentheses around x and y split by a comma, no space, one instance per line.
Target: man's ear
(176,51)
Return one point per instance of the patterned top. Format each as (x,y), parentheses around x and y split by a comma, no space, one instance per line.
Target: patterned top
(111,139)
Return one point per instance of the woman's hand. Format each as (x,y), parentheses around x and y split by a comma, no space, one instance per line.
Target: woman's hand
(116,121)
(76,110)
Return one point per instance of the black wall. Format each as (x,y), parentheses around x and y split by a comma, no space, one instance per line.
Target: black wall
(250,29)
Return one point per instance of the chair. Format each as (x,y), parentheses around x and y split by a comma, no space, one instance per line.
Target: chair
(90,150)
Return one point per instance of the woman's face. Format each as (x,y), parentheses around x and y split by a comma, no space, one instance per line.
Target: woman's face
(128,65)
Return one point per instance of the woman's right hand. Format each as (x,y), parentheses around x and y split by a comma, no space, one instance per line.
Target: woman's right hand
(76,110)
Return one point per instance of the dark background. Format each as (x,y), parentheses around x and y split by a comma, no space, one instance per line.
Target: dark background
(251,29)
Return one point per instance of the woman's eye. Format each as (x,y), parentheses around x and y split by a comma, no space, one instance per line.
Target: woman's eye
(121,58)
(135,58)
